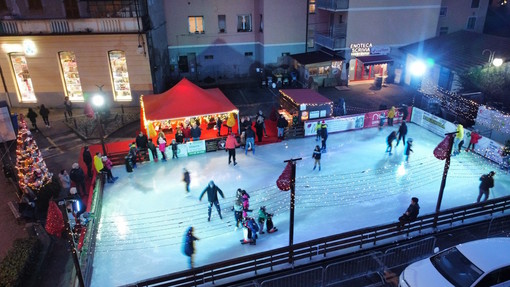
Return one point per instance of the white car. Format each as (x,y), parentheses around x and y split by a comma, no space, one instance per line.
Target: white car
(484,262)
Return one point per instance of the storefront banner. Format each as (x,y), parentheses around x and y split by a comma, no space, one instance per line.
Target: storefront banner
(432,123)
(493,119)
(196,147)
(488,149)
(182,150)
(215,144)
(314,114)
(339,124)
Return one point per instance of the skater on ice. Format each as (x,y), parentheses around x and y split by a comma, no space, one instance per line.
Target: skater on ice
(238,211)
(391,115)
(389,141)
(382,118)
(474,137)
(250,140)
(317,156)
(152,148)
(246,203)
(133,154)
(250,229)
(318,131)
(267,218)
(186,178)
(230,146)
(458,138)
(189,245)
(324,135)
(402,131)
(212,196)
(174,149)
(486,183)
(162,145)
(408,149)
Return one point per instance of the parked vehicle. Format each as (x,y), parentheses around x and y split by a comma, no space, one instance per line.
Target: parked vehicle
(484,262)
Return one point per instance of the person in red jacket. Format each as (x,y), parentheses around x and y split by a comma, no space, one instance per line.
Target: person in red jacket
(186,130)
(230,146)
(474,140)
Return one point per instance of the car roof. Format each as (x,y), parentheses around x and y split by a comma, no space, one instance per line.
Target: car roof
(487,254)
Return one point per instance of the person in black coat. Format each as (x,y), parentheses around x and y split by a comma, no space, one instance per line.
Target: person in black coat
(389,141)
(281,124)
(179,136)
(404,111)
(250,140)
(87,159)
(487,182)
(78,177)
(402,131)
(196,132)
(259,126)
(411,213)
(141,141)
(189,245)
(44,112)
(32,116)
(212,196)
(324,135)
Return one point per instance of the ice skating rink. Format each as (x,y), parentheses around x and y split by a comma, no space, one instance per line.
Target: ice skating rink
(146,213)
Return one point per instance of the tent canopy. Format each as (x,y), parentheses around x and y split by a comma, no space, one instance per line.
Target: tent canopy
(185,99)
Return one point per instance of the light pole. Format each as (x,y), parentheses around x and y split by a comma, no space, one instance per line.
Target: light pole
(492,59)
(98,103)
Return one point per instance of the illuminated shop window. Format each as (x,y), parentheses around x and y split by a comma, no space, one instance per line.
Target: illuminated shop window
(71,77)
(196,24)
(120,77)
(23,80)
(311,7)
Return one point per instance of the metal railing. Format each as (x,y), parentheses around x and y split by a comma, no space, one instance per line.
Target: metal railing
(316,249)
(329,42)
(69,26)
(332,4)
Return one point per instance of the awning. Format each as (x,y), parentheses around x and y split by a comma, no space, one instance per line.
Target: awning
(375,59)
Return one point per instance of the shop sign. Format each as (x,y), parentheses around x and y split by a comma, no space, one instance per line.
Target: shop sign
(196,147)
(314,114)
(323,113)
(215,144)
(380,50)
(302,107)
(304,116)
(360,49)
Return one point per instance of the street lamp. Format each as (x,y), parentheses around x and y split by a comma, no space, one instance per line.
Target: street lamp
(98,103)
(492,60)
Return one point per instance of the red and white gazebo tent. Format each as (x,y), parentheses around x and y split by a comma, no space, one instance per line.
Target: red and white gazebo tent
(184,100)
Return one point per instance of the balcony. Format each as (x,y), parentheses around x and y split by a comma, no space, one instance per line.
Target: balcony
(331,43)
(332,5)
(68,26)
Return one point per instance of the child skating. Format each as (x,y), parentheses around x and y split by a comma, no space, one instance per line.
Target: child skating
(409,149)
(266,217)
(317,156)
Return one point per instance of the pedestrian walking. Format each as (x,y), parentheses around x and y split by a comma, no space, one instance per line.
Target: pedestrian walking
(259,126)
(65,181)
(68,106)
(44,112)
(459,136)
(250,140)
(324,135)
(87,159)
(78,177)
(152,148)
(487,182)
(162,145)
(411,213)
(474,137)
(318,131)
(186,178)
(281,124)
(402,131)
(32,116)
(317,156)
(230,145)
(212,196)
(174,149)
(408,149)
(391,115)
(189,245)
(389,141)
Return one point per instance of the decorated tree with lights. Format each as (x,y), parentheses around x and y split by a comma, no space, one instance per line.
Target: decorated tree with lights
(54,220)
(31,168)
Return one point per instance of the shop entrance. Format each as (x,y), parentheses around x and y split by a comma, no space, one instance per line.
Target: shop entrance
(364,72)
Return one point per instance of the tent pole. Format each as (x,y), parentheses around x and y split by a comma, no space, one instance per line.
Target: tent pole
(238,124)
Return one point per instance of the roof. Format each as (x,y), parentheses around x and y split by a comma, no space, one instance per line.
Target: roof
(462,50)
(375,59)
(305,96)
(315,57)
(185,99)
(487,254)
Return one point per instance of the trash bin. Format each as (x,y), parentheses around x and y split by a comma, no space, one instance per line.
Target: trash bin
(128,162)
(378,82)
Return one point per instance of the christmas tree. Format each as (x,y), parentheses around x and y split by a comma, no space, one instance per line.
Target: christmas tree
(31,168)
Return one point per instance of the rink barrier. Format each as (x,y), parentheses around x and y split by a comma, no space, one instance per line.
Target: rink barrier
(331,246)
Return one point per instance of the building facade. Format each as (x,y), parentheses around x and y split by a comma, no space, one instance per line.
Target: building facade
(462,15)
(53,49)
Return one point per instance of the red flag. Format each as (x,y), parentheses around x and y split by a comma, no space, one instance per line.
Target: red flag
(283,181)
(442,151)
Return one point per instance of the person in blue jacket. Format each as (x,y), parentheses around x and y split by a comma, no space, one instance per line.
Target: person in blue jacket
(189,245)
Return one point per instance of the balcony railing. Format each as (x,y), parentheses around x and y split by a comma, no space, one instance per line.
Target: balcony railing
(68,26)
(329,42)
(332,5)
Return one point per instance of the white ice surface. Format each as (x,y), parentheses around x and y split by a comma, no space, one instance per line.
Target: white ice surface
(146,213)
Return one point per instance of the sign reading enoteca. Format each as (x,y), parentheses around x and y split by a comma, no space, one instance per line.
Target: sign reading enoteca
(360,49)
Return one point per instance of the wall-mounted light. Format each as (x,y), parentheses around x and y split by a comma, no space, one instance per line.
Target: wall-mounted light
(141,45)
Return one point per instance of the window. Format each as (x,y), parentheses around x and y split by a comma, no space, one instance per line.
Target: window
(475,3)
(311,7)
(196,24)
(120,76)
(23,80)
(70,76)
(34,5)
(222,23)
(471,23)
(442,11)
(183,64)
(244,23)
(209,57)
(248,54)
(443,31)
(311,38)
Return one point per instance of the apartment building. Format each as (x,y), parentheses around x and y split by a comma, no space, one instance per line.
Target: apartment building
(462,15)
(54,49)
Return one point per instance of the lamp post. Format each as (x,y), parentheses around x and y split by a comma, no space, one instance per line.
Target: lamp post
(98,103)
(496,62)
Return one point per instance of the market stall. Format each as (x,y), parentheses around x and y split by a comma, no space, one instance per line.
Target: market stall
(185,104)
(306,104)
